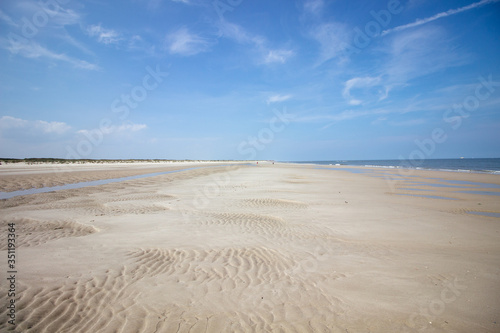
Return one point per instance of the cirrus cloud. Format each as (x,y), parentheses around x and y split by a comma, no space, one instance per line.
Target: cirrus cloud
(103,35)
(278,98)
(183,42)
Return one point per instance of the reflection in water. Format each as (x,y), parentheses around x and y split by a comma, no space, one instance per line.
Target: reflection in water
(485,214)
(427,196)
(481,192)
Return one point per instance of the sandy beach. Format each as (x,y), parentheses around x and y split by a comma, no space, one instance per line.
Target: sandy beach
(252,248)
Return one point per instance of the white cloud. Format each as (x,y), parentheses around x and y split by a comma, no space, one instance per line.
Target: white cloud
(52,127)
(331,119)
(314,6)
(139,44)
(438,16)
(351,114)
(238,34)
(278,98)
(183,42)
(333,38)
(11,125)
(155,4)
(420,52)
(359,82)
(31,49)
(103,35)
(131,127)
(58,16)
(8,123)
(64,16)
(133,42)
(280,56)
(68,39)
(115,129)
(355,102)
(411,122)
(265,54)
(50,29)
(4,17)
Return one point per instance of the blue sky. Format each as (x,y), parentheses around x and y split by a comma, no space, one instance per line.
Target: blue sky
(250,79)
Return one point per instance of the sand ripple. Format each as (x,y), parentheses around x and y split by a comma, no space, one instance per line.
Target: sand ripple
(267,202)
(31,232)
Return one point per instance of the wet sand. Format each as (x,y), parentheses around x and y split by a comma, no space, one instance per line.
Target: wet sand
(267,248)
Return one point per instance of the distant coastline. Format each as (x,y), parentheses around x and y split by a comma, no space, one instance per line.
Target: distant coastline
(81,161)
(481,165)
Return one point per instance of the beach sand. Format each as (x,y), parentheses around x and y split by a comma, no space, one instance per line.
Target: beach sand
(252,248)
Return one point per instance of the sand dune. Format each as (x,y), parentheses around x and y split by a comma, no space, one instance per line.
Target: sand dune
(273,248)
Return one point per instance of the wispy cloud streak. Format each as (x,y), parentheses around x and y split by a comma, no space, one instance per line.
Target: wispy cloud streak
(278,98)
(33,50)
(450,12)
(6,18)
(260,44)
(103,35)
(185,43)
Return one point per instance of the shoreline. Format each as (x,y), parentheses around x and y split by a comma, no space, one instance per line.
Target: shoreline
(45,177)
(16,177)
(403,168)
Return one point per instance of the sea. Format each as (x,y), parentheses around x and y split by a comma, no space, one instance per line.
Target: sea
(476,165)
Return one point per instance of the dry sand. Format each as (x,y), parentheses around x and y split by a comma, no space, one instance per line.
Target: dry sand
(267,248)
